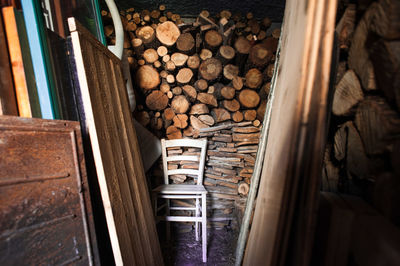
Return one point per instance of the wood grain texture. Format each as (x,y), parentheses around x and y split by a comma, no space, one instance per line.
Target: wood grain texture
(8,103)
(46,214)
(116,152)
(282,229)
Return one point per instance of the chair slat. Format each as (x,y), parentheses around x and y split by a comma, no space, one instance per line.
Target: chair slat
(186,143)
(182,158)
(183,172)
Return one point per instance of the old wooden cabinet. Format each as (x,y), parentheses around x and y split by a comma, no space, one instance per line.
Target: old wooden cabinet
(45,210)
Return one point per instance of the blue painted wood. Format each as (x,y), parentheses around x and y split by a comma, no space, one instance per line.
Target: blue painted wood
(40,69)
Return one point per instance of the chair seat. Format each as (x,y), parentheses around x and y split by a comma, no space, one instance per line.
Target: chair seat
(180,189)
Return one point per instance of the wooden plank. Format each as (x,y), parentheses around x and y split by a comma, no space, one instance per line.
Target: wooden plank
(45,215)
(282,229)
(8,103)
(116,152)
(15,52)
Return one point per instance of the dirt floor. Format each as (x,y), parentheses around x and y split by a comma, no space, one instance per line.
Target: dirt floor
(184,250)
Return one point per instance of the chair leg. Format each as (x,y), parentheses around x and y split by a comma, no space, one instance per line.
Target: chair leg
(204,225)
(197,223)
(167,224)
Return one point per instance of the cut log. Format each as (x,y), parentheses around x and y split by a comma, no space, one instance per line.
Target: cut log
(185,43)
(232,105)
(188,132)
(146,33)
(231,71)
(164,87)
(207,119)
(137,45)
(108,30)
(210,69)
(162,50)
(207,98)
(377,124)
(226,54)
(147,77)
(196,123)
(199,109)
(166,58)
(243,188)
(205,54)
(237,116)
(184,75)
(180,104)
(242,46)
(250,115)
(228,92)
(266,23)
(201,85)
(276,33)
(271,44)
(259,55)
(177,90)
(169,113)
(170,79)
(170,66)
(357,161)
(150,55)
(261,110)
(358,55)
(167,33)
(173,133)
(142,117)
(237,83)
(270,70)
(386,20)
(193,61)
(212,40)
(249,98)
(348,93)
(157,100)
(180,121)
(345,27)
(220,114)
(340,141)
(179,59)
(253,78)
(190,92)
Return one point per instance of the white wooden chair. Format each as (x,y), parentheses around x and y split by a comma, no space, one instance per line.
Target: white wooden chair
(184,191)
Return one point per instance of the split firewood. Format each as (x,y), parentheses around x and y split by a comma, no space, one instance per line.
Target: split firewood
(173,133)
(199,109)
(180,121)
(220,114)
(237,116)
(347,94)
(237,83)
(261,110)
(190,92)
(207,119)
(196,123)
(210,69)
(169,113)
(147,77)
(231,105)
(207,98)
(345,27)
(340,141)
(253,78)
(186,43)
(248,129)
(156,100)
(188,132)
(180,104)
(249,98)
(167,33)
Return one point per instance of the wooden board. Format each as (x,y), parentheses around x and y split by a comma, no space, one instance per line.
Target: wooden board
(45,211)
(282,229)
(15,51)
(106,116)
(8,103)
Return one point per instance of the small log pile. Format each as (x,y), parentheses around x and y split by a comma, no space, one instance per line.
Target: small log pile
(362,155)
(203,77)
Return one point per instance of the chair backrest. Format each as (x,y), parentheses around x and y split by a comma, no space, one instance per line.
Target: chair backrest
(184,143)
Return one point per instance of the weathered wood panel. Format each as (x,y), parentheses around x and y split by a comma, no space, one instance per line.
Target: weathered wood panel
(45,210)
(106,116)
(282,229)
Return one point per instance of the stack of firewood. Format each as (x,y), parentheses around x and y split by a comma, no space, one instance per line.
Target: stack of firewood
(203,77)
(363,152)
